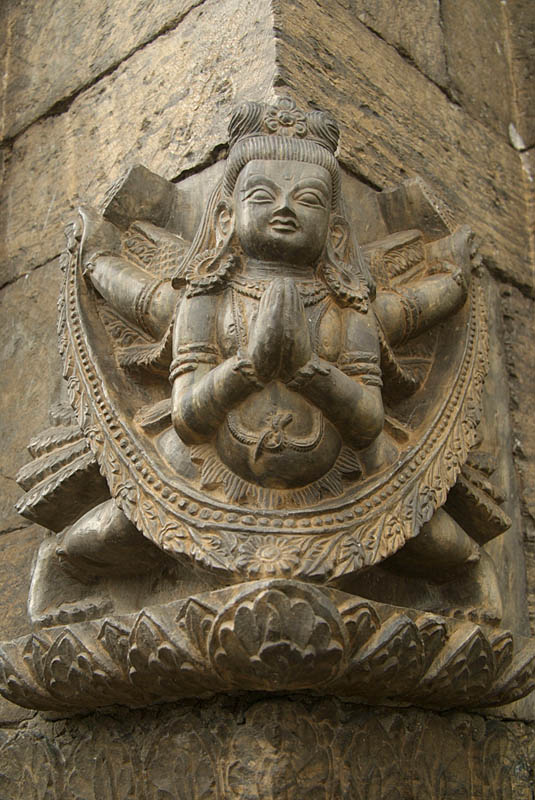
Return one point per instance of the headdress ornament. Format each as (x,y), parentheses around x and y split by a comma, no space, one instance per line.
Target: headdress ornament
(281,132)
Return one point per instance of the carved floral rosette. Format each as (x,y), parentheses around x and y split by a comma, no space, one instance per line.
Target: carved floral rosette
(369,521)
(271,635)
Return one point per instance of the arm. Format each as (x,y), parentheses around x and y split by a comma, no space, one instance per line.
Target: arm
(133,292)
(204,390)
(130,290)
(416,309)
(349,394)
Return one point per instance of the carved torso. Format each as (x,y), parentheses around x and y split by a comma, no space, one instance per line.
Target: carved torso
(274,437)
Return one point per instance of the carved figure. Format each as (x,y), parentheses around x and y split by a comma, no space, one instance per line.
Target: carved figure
(269,405)
(280,347)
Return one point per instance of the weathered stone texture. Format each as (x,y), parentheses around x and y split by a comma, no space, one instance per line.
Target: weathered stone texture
(499,437)
(521,38)
(15,567)
(475,33)
(396,123)
(16,558)
(31,375)
(519,315)
(268,749)
(527,159)
(31,379)
(413,28)
(153,109)
(98,35)
(481,52)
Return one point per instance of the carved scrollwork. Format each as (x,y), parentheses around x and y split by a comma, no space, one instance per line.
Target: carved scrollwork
(268,748)
(374,524)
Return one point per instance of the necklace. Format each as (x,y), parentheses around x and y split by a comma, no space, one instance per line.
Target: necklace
(311,291)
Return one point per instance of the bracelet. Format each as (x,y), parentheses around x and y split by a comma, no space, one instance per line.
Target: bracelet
(189,356)
(411,315)
(364,366)
(142,302)
(88,264)
(460,279)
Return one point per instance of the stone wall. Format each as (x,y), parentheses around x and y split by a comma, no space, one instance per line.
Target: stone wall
(435,88)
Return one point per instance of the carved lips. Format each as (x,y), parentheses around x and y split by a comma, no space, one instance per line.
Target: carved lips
(284,224)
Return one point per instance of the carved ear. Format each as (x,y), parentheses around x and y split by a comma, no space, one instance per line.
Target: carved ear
(224,222)
(339,235)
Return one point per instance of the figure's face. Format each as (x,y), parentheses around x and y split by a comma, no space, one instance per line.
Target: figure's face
(282,211)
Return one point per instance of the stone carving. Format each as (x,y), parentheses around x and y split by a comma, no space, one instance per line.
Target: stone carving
(267,401)
(266,749)
(275,635)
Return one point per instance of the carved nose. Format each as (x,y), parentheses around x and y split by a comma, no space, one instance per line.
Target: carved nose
(285,208)
(285,215)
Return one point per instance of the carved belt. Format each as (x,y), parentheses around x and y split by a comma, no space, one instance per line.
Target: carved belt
(273,437)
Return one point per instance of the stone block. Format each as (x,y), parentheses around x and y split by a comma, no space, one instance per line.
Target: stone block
(521,29)
(478,60)
(413,28)
(519,313)
(397,124)
(498,434)
(154,109)
(51,49)
(31,376)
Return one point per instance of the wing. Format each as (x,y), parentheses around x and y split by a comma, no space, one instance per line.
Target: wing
(63,480)
(155,249)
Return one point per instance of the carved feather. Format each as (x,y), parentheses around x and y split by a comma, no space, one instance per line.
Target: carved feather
(155,249)
(474,502)
(50,462)
(52,438)
(400,255)
(62,497)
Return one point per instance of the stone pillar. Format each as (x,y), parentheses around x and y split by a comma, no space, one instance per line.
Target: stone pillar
(442,91)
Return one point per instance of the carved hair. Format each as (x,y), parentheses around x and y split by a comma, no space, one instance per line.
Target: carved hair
(346,274)
(208,263)
(281,132)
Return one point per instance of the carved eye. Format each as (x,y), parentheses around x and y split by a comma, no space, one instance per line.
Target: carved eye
(310,198)
(259,195)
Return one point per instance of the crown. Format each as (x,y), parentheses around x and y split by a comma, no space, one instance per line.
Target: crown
(283,119)
(281,132)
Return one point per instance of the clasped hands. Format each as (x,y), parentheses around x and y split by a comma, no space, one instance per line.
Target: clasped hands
(279,339)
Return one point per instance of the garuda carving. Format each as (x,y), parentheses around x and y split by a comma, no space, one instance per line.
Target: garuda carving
(269,400)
